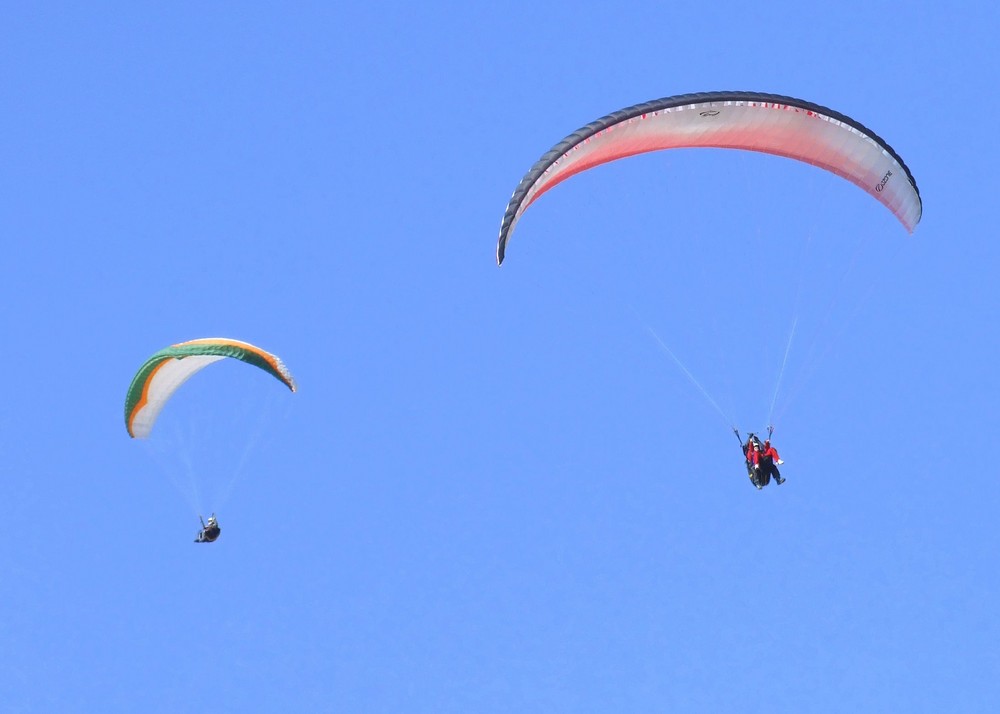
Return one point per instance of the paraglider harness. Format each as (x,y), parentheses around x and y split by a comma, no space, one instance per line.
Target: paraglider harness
(209,531)
(761,475)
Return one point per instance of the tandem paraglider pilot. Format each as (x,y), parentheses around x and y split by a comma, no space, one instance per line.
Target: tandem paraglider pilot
(762,460)
(209,530)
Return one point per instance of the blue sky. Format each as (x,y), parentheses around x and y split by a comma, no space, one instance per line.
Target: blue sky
(494,491)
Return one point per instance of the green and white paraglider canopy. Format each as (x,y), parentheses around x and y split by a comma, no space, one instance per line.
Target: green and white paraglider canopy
(164,373)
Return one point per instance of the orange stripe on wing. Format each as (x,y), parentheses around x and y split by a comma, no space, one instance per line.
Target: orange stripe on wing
(144,399)
(276,364)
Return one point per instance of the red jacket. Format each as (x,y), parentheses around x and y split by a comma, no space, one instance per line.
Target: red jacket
(772,452)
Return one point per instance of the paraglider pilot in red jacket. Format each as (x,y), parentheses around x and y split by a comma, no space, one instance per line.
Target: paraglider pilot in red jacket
(769,459)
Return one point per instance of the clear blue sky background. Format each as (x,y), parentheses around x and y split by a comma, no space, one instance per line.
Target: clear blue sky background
(494,491)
